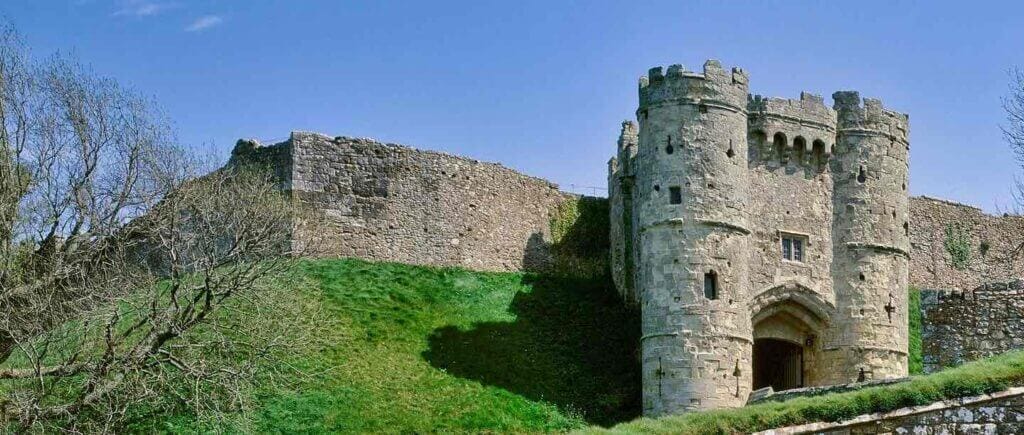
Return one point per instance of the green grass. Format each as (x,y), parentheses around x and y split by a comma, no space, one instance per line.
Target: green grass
(976,378)
(402,349)
(916,361)
(419,349)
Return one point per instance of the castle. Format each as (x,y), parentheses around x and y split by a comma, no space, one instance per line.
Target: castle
(765,241)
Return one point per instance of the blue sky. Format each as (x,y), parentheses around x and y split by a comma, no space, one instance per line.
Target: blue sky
(541,86)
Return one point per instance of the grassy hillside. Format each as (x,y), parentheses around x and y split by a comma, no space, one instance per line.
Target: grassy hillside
(403,348)
(417,349)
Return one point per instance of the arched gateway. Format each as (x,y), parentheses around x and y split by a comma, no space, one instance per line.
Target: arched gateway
(787,321)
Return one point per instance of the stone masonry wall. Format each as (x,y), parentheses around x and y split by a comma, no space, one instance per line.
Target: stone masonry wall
(394,203)
(999,413)
(930,265)
(958,326)
(992,240)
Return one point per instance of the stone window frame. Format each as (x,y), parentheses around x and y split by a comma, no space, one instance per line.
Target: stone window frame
(711,287)
(804,240)
(675,195)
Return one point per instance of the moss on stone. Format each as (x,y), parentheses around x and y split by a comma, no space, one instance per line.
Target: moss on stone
(579,234)
(958,245)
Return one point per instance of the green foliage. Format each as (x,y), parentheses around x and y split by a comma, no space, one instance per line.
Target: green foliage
(579,232)
(413,349)
(958,245)
(914,318)
(980,377)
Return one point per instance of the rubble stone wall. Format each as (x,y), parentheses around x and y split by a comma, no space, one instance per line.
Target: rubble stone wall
(961,326)
(389,202)
(993,241)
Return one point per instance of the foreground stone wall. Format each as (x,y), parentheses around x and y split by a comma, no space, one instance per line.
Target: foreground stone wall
(959,326)
(993,239)
(999,413)
(394,203)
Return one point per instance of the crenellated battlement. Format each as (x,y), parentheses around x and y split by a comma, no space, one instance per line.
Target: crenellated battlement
(714,87)
(809,109)
(871,117)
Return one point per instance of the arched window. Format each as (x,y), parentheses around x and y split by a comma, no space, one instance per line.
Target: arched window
(818,152)
(800,144)
(779,144)
(757,142)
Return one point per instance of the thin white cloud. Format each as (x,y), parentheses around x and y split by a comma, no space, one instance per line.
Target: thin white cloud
(203,23)
(142,8)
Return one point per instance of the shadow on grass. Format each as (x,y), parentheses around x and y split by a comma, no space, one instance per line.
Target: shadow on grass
(573,344)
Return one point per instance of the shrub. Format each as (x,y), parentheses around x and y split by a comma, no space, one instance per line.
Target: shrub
(958,245)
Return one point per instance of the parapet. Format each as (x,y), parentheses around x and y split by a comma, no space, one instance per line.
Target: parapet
(810,110)
(715,86)
(869,117)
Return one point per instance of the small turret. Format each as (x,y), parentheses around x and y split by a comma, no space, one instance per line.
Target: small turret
(621,174)
(627,146)
(628,135)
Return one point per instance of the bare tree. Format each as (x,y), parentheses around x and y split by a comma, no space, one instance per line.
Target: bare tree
(115,256)
(217,238)
(80,157)
(1013,132)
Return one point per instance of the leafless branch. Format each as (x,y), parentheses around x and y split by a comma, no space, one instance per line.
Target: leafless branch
(116,256)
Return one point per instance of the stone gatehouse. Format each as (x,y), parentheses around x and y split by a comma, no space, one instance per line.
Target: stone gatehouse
(766,241)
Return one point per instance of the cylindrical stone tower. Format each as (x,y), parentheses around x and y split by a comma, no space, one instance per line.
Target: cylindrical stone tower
(690,199)
(871,240)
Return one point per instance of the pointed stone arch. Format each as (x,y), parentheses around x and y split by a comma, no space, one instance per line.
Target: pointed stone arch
(795,298)
(787,320)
